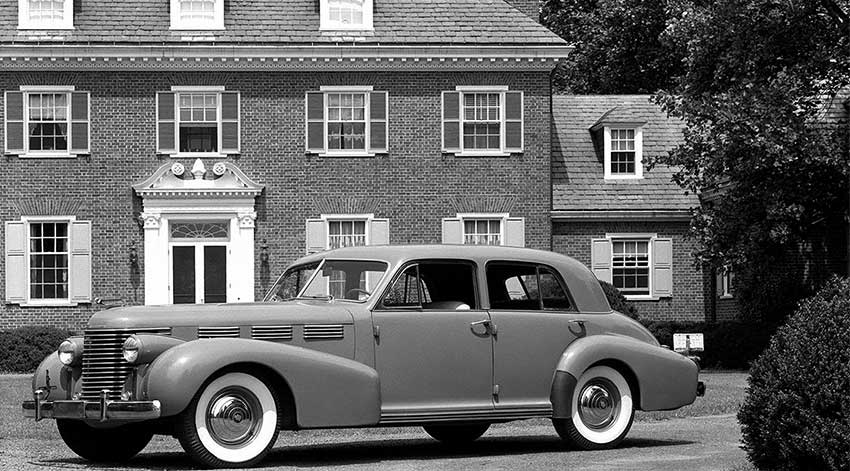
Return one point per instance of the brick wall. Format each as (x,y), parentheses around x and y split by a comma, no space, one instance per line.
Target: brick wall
(415,185)
(691,287)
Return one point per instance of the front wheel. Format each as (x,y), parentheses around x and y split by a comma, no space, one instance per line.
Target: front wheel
(231,422)
(601,410)
(456,433)
(104,445)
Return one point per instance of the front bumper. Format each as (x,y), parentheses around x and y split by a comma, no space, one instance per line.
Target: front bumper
(101,410)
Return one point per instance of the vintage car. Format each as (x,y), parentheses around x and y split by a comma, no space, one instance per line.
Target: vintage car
(452,338)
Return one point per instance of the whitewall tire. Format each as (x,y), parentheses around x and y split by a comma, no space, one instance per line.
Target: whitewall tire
(231,422)
(601,410)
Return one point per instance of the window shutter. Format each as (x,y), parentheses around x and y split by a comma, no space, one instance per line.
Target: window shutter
(230,143)
(600,259)
(80,127)
(80,264)
(452,231)
(451,122)
(662,268)
(14,123)
(166,123)
(513,122)
(317,235)
(16,266)
(316,122)
(379,232)
(378,112)
(515,232)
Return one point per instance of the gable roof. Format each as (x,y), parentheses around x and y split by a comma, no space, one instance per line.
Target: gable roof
(396,22)
(578,182)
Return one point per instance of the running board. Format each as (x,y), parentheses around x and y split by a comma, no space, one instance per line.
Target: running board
(486,415)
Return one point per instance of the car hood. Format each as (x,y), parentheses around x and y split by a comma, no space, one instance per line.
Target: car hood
(216,315)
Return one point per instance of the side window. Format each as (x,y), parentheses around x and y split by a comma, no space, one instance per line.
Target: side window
(554,296)
(448,285)
(405,290)
(525,287)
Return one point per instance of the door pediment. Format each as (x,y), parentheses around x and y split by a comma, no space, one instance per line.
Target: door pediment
(172,180)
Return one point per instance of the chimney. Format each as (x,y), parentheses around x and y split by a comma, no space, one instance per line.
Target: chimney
(530,7)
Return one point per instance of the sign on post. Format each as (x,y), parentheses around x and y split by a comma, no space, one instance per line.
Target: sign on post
(688,342)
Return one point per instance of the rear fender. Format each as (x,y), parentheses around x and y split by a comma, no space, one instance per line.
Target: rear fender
(665,379)
(328,390)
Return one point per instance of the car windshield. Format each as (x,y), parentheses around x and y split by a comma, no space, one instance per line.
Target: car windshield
(351,280)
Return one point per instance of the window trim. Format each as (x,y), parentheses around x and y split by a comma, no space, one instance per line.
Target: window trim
(218,90)
(366,90)
(25,23)
(473,89)
(179,25)
(54,89)
(325,23)
(331,217)
(29,301)
(725,277)
(606,133)
(502,217)
(537,266)
(640,236)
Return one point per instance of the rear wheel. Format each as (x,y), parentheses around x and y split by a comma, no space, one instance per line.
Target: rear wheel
(104,445)
(601,410)
(457,433)
(231,422)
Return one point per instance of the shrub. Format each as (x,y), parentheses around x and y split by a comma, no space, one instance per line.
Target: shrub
(24,348)
(730,345)
(617,301)
(796,413)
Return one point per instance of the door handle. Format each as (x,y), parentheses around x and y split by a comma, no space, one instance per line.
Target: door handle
(489,328)
(582,329)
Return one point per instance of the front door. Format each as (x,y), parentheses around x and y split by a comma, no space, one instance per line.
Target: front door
(433,351)
(198,273)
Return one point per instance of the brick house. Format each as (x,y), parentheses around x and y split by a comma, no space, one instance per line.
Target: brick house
(185,151)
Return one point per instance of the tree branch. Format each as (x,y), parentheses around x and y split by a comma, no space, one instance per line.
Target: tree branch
(837,14)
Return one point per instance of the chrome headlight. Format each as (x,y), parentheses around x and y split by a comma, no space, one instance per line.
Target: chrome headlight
(70,352)
(131,349)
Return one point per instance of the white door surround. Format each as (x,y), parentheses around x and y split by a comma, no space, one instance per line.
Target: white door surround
(173,195)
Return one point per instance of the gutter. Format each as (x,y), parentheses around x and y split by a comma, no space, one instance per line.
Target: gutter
(622,215)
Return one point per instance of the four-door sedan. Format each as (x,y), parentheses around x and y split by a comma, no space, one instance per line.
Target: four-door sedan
(452,338)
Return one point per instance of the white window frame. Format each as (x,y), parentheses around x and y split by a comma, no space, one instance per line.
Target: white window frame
(24,21)
(472,89)
(725,278)
(502,217)
(38,89)
(367,135)
(638,151)
(27,221)
(325,23)
(178,90)
(366,218)
(649,238)
(216,24)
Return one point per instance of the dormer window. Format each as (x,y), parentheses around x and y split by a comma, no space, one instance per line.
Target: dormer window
(623,152)
(45,14)
(346,14)
(197,14)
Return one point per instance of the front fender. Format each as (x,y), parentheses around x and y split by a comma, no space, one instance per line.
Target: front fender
(666,380)
(58,380)
(328,390)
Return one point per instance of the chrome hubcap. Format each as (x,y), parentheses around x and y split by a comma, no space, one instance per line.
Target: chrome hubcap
(233,417)
(599,403)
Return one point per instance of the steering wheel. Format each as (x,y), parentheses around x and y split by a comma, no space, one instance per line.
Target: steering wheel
(356,291)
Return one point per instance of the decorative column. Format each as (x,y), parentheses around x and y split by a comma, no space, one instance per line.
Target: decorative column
(156,258)
(243,257)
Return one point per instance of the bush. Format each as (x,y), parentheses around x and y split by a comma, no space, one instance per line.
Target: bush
(796,413)
(617,301)
(24,348)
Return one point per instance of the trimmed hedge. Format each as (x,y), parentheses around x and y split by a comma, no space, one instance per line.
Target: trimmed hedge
(24,348)
(732,345)
(619,302)
(796,413)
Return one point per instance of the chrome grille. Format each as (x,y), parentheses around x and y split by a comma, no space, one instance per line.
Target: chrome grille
(323,332)
(272,332)
(218,332)
(103,364)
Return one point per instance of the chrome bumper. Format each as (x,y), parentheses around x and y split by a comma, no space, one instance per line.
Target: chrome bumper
(101,410)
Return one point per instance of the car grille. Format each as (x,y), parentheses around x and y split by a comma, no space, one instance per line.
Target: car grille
(103,363)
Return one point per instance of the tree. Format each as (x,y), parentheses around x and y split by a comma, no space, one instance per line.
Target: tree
(759,76)
(617,45)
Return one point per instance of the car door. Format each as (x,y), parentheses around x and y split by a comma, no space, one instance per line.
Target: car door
(433,350)
(531,308)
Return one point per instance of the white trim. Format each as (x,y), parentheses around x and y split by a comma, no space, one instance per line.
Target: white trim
(501,90)
(29,302)
(46,88)
(639,237)
(197,88)
(218,90)
(481,153)
(217,22)
(725,277)
(367,118)
(346,88)
(24,21)
(481,88)
(67,90)
(606,132)
(366,218)
(502,217)
(325,24)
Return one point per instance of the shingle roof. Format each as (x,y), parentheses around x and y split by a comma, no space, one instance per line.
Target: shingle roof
(439,22)
(578,182)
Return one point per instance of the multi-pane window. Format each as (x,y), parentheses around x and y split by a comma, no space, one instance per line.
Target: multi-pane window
(48,121)
(482,121)
(48,260)
(45,14)
(346,233)
(345,12)
(197,10)
(197,14)
(346,114)
(48,11)
(622,151)
(482,231)
(198,122)
(630,266)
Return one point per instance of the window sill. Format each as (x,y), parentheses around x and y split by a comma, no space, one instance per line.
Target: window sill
(46,155)
(48,304)
(641,297)
(200,28)
(482,154)
(197,155)
(24,28)
(330,28)
(347,155)
(726,296)
(623,177)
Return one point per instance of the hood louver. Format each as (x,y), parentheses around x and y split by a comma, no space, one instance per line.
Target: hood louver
(324,332)
(218,332)
(271,332)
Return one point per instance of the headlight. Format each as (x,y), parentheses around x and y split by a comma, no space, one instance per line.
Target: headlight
(70,352)
(131,349)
